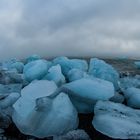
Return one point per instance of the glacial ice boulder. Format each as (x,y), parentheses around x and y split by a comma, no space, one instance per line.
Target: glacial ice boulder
(36,114)
(137,64)
(132,96)
(128,82)
(13,64)
(35,70)
(75,74)
(85,92)
(116,120)
(7,64)
(18,66)
(100,69)
(68,64)
(55,74)
(33,57)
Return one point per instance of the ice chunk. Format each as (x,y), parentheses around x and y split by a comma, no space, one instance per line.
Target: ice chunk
(85,92)
(33,58)
(10,88)
(10,76)
(13,64)
(68,64)
(78,134)
(14,76)
(7,64)
(35,70)
(75,74)
(128,82)
(18,66)
(132,96)
(117,98)
(137,64)
(8,100)
(100,69)
(116,120)
(37,89)
(38,115)
(92,89)
(55,74)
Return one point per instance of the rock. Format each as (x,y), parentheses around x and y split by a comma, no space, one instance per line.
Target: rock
(117,98)
(36,114)
(78,134)
(75,74)
(10,88)
(35,70)
(116,120)
(100,69)
(33,58)
(132,96)
(85,92)
(55,74)
(68,64)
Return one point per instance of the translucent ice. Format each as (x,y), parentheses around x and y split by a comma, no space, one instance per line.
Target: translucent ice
(36,114)
(18,66)
(68,64)
(85,92)
(33,58)
(128,82)
(55,74)
(132,96)
(116,120)
(75,74)
(13,64)
(8,100)
(100,69)
(35,70)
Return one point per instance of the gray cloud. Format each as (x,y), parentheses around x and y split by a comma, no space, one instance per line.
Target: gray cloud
(69,27)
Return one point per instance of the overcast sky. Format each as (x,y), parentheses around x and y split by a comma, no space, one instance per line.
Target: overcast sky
(69,27)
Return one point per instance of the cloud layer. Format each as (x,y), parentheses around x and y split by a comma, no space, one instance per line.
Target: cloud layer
(104,28)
